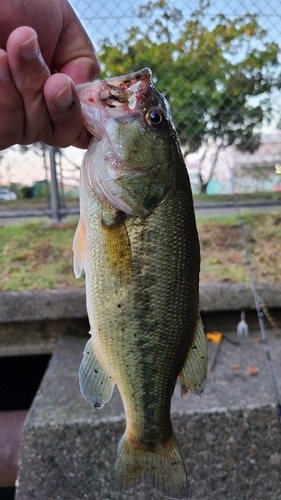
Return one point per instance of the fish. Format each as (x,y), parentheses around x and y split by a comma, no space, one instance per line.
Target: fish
(138,245)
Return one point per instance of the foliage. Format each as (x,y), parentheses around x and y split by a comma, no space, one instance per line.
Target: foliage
(209,69)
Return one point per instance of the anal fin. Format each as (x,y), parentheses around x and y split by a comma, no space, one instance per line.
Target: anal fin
(194,372)
(95,384)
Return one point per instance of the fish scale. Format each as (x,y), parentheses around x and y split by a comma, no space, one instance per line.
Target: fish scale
(142,272)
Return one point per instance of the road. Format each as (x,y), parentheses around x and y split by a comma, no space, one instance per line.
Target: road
(221,209)
(210,209)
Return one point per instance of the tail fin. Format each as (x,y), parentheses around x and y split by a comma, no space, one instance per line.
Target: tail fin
(164,468)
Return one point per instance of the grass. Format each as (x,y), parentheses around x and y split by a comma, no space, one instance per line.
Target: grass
(37,256)
(31,204)
(222,251)
(34,256)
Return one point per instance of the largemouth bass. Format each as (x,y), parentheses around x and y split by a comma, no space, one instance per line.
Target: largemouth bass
(138,244)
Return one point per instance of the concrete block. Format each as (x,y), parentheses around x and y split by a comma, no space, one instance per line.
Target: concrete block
(230,437)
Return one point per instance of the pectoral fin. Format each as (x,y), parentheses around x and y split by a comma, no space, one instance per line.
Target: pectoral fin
(118,248)
(194,372)
(95,384)
(79,249)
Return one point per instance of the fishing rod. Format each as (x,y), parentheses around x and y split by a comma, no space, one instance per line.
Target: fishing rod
(258,306)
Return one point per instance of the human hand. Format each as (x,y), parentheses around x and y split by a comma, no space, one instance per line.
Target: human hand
(38,99)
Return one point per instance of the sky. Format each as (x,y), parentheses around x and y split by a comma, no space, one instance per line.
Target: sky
(105,18)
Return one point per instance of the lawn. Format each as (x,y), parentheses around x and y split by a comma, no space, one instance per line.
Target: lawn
(38,256)
(223,255)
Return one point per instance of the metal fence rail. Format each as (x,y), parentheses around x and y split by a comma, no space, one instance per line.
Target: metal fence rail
(217,62)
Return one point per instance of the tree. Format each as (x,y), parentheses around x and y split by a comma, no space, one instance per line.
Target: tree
(208,70)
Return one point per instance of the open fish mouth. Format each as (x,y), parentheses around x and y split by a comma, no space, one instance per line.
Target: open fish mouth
(125,89)
(118,98)
(122,93)
(141,78)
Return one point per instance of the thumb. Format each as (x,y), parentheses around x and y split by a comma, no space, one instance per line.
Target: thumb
(75,54)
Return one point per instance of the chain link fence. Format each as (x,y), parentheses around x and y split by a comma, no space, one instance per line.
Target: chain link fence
(218,64)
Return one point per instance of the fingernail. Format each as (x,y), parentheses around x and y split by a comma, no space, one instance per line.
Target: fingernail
(64,98)
(30,48)
(4,67)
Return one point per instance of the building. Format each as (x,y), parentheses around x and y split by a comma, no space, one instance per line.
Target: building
(250,172)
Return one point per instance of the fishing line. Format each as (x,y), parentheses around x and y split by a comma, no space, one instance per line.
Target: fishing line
(258,306)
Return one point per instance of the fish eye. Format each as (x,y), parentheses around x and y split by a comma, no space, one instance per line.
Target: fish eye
(154,118)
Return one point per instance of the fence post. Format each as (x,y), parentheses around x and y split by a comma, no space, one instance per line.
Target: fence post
(55,202)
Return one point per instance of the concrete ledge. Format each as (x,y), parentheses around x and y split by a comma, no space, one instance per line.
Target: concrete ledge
(230,438)
(235,297)
(71,303)
(41,305)
(38,337)
(32,322)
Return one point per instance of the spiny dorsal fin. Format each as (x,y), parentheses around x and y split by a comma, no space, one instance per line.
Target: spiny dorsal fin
(95,384)
(194,372)
(118,248)
(79,249)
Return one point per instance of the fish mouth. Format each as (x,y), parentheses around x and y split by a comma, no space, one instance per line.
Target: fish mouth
(127,89)
(118,98)
(126,81)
